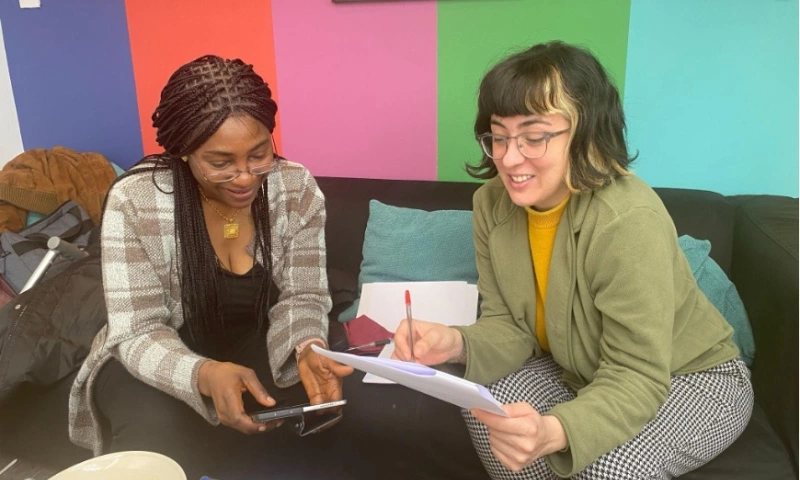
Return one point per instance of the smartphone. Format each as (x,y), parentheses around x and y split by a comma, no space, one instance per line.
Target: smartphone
(294,411)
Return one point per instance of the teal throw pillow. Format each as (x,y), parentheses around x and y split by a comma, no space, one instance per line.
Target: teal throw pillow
(409,245)
(721,292)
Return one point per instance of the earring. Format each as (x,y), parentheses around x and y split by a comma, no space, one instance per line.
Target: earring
(185,158)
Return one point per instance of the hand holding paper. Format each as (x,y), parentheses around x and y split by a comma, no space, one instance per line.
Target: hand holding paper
(523,436)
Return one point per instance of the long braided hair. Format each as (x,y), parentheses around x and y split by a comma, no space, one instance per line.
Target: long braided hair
(197,99)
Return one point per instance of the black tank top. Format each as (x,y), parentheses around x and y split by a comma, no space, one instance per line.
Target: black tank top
(237,295)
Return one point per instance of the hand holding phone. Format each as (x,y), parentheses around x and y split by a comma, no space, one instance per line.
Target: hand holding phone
(306,419)
(224,383)
(287,412)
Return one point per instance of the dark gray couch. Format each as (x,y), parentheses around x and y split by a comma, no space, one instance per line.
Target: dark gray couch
(755,241)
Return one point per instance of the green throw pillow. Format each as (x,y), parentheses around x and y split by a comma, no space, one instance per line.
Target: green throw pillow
(721,292)
(409,245)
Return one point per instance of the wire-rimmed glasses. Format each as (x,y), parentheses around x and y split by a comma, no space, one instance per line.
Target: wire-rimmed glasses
(232,173)
(531,145)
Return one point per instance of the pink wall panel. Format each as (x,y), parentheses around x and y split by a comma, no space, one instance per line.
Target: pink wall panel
(358,87)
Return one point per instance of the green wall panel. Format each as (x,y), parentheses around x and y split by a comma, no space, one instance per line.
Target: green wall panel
(475,34)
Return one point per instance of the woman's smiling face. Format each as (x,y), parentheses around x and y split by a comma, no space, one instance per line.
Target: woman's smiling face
(539,183)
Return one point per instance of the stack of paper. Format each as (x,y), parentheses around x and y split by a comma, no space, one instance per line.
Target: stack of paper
(450,303)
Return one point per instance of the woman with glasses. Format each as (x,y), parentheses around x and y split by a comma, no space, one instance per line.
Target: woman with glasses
(610,361)
(213,260)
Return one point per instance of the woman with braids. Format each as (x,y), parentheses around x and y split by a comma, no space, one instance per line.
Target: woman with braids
(610,361)
(213,260)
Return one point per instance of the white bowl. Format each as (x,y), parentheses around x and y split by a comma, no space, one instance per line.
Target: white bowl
(124,466)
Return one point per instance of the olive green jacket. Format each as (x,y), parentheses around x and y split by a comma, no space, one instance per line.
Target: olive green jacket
(623,311)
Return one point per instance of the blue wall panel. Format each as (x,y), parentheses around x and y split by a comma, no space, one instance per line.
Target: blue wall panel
(71,71)
(711,94)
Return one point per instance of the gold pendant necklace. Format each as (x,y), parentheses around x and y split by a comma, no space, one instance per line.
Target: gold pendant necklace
(230,230)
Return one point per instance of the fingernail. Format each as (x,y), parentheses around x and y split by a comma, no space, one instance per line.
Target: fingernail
(262,428)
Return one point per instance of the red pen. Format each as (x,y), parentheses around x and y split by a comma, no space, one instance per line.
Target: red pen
(410,325)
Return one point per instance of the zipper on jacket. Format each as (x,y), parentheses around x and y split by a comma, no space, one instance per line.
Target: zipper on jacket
(12,329)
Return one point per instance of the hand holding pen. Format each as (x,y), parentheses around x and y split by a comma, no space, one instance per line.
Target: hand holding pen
(433,343)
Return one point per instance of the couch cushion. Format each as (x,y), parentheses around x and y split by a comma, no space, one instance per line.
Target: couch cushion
(703,215)
(757,454)
(765,270)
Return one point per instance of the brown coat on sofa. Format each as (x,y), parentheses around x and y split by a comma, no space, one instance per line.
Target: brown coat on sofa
(40,180)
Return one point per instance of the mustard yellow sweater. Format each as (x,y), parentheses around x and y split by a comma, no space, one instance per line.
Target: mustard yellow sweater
(542,228)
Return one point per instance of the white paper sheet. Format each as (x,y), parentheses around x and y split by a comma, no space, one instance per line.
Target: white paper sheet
(450,303)
(30,3)
(386,353)
(424,379)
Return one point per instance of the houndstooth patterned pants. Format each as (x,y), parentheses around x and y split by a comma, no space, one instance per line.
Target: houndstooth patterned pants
(704,413)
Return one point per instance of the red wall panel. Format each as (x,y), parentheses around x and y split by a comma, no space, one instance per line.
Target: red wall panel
(167,34)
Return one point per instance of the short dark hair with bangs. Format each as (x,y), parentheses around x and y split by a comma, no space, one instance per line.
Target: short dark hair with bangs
(553,78)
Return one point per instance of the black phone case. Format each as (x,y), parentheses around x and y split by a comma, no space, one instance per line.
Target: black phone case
(312,422)
(305,423)
(276,413)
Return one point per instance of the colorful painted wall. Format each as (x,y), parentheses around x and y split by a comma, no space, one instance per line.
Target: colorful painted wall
(387,89)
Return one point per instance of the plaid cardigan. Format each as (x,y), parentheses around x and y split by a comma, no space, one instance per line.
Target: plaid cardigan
(140,267)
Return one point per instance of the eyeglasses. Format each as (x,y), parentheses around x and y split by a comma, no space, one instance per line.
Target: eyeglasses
(531,145)
(230,174)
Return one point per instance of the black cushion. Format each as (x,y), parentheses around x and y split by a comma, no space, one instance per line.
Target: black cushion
(703,215)
(765,271)
(37,419)
(756,455)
